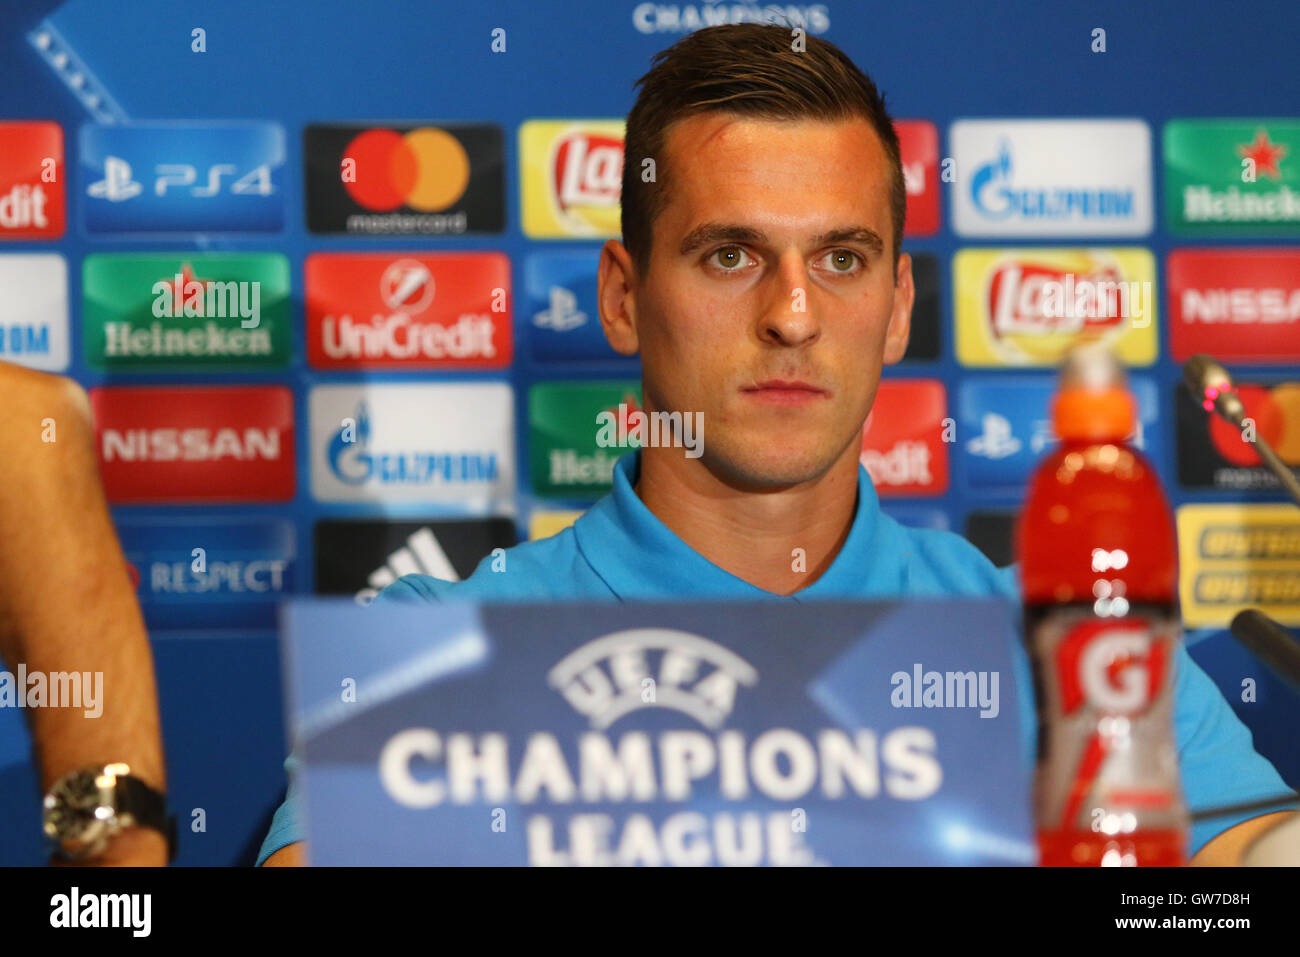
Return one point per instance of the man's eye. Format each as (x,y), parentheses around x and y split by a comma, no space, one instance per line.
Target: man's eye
(729,258)
(845,261)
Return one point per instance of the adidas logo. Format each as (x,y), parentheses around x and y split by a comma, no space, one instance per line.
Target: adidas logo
(421,555)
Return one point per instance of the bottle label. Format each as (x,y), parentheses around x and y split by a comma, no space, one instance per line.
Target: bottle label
(1107,755)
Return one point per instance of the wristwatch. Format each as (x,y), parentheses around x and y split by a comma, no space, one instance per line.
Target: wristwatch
(88,807)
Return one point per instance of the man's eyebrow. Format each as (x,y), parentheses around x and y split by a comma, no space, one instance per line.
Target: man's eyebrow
(716,232)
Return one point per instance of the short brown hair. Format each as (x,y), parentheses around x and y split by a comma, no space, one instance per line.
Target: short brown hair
(748,69)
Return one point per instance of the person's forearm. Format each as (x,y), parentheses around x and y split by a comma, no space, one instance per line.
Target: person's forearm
(66,602)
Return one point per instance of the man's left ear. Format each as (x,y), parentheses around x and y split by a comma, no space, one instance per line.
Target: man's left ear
(900,321)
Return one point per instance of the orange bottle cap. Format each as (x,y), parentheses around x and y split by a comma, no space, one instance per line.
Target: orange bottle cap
(1098,414)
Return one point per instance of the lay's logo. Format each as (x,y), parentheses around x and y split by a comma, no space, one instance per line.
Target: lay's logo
(571,176)
(1027,307)
(1018,300)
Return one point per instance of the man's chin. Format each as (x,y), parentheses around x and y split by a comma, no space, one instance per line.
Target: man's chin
(768,468)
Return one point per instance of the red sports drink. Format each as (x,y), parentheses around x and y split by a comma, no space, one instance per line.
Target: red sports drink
(1099,568)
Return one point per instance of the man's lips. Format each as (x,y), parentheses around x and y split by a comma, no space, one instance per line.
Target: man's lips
(786,392)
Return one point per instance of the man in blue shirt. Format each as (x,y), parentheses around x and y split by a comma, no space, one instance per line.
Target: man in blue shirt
(761,280)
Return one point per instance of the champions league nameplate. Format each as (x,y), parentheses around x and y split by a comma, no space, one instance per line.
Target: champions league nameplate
(720,733)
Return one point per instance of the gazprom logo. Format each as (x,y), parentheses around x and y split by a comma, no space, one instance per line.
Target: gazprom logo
(652,668)
(352,461)
(996,196)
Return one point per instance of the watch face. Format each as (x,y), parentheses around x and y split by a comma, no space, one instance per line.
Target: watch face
(78,812)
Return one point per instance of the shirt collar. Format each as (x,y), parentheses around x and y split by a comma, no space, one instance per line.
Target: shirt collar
(639,557)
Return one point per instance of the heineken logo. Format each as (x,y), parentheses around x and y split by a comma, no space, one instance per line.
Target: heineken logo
(205,309)
(1233,178)
(1262,155)
(579,431)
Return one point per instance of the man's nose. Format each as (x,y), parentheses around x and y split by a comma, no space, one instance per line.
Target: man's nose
(789,319)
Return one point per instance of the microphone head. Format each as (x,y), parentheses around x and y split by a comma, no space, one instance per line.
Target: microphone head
(1212,387)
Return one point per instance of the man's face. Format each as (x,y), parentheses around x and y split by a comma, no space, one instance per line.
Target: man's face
(770,302)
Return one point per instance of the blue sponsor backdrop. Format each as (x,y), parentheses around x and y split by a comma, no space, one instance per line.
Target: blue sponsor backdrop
(294,64)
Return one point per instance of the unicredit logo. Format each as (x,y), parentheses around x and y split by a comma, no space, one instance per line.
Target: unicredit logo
(32,198)
(23,208)
(902,446)
(432,309)
(426,169)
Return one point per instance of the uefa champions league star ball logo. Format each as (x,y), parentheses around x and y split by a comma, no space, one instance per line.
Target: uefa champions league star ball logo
(652,668)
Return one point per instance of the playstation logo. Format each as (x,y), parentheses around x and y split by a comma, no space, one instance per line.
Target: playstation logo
(563,314)
(117,185)
(996,441)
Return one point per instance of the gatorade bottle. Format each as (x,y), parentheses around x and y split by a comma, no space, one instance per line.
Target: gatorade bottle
(1098,563)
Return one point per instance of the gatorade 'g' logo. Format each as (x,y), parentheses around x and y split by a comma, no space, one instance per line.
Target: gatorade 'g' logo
(1116,667)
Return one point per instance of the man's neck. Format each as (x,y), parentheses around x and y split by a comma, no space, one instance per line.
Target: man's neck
(780,541)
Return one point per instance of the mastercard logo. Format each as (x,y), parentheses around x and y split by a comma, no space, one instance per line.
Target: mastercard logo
(426,169)
(1276,414)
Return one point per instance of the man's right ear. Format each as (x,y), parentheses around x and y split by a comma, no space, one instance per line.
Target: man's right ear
(616,297)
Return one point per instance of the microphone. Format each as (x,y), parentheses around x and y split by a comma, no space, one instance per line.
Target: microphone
(1212,387)
(1270,643)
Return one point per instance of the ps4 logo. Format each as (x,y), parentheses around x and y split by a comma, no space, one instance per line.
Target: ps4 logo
(563,313)
(996,440)
(117,185)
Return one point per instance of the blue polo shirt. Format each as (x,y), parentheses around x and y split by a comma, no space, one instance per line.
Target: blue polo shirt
(618,550)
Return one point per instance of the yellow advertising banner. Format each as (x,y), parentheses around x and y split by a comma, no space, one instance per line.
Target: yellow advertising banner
(1236,556)
(1026,306)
